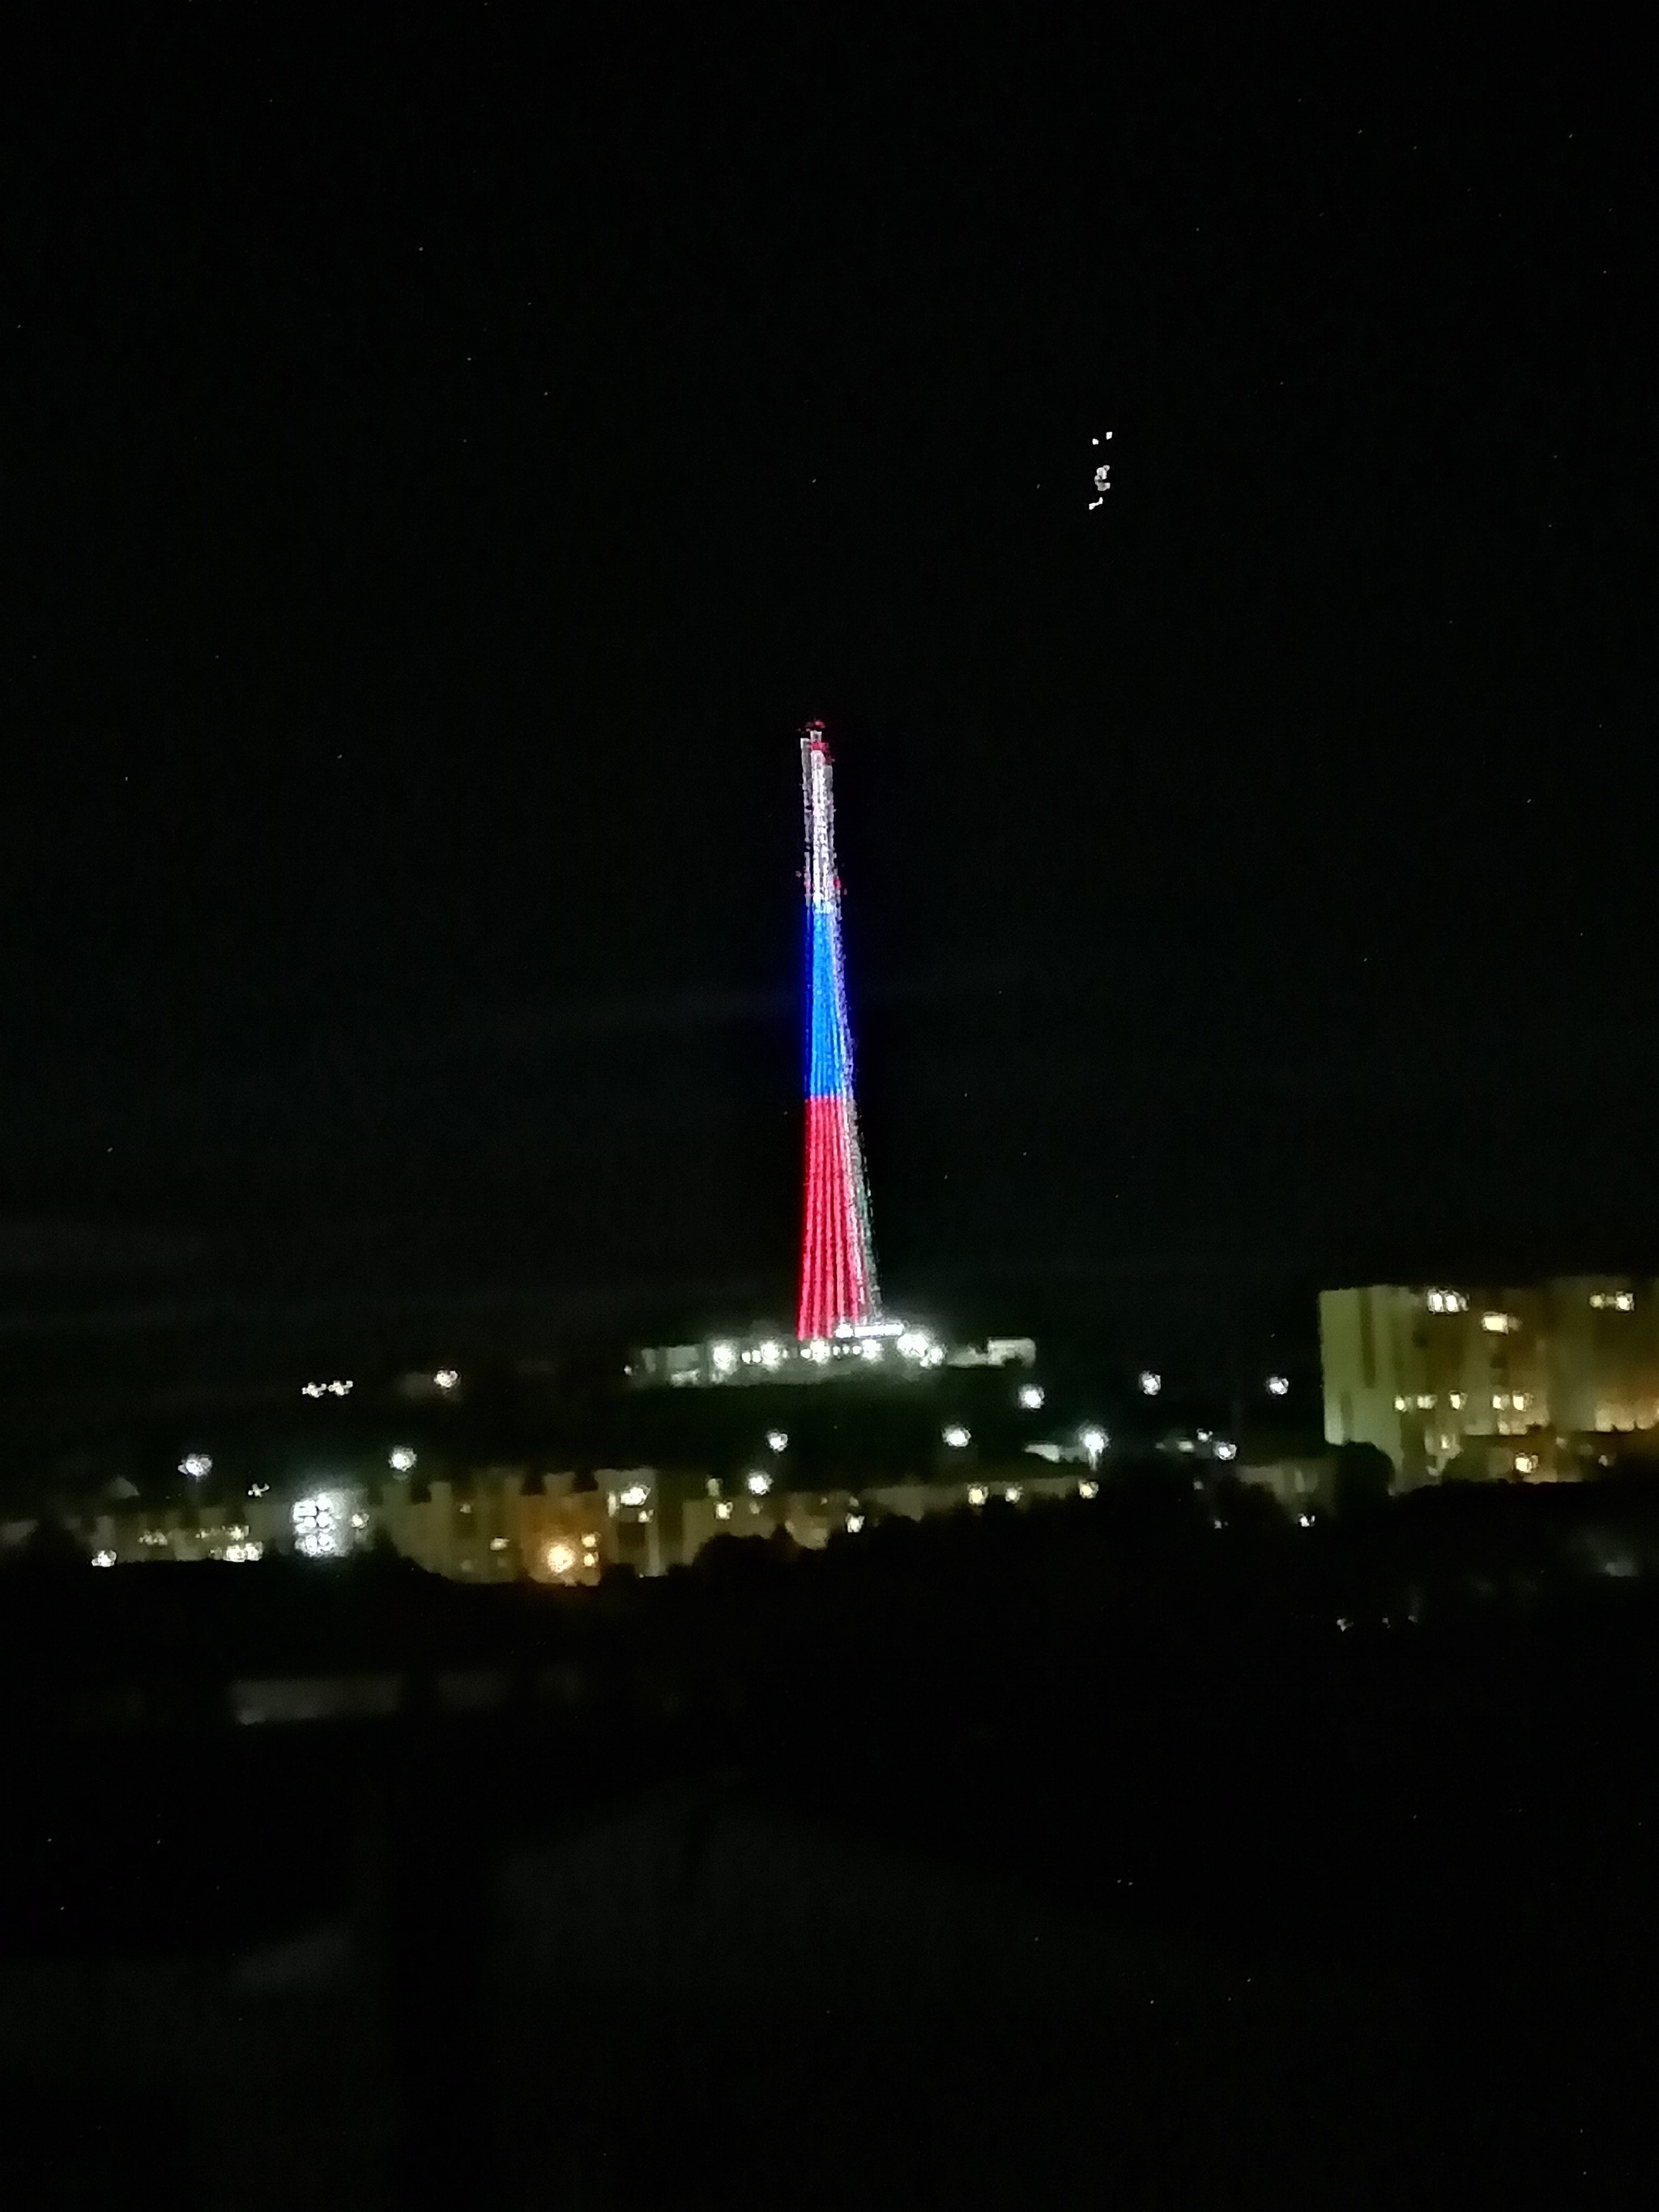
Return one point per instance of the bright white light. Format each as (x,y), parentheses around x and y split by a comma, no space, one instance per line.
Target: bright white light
(498,1543)
(1087,1488)
(976,1494)
(400,1459)
(1458,1400)
(1031,1397)
(446,1378)
(1013,1494)
(1446,1302)
(723,1357)
(1278,1386)
(1094,1441)
(321,1525)
(874,1349)
(1150,1382)
(242,1553)
(758,1483)
(817,1350)
(934,1355)
(1500,1324)
(1225,1451)
(957,1437)
(854,1522)
(360,1521)
(196,1465)
(311,1389)
(636,1494)
(723,1511)
(561,1558)
(1525,1463)
(914,1344)
(1305,1520)
(103,1558)
(777,1440)
(258,1489)
(771,1354)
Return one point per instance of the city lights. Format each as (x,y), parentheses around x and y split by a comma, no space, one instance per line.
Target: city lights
(1445,1302)
(561,1558)
(723,1359)
(1150,1382)
(1013,1494)
(1094,1441)
(854,1522)
(446,1378)
(321,1524)
(1278,1386)
(771,1354)
(957,1436)
(914,1344)
(400,1459)
(1500,1324)
(758,1483)
(976,1494)
(1088,1488)
(1031,1397)
(636,1493)
(103,1558)
(325,1389)
(1226,1450)
(723,1511)
(241,1552)
(196,1465)
(777,1440)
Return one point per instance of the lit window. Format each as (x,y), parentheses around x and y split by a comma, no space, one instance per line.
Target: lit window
(1525,1463)
(1445,1302)
(1457,1402)
(1399,1405)
(636,1494)
(723,1511)
(1426,1404)
(854,1522)
(723,1359)
(1500,1324)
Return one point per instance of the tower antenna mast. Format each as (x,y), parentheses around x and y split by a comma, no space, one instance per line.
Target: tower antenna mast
(838,1291)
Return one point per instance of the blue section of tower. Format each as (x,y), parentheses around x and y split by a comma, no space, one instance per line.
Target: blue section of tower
(830,1051)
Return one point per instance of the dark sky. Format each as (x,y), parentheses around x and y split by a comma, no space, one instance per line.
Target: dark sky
(444,461)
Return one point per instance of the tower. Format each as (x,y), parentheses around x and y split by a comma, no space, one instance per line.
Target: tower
(837,1260)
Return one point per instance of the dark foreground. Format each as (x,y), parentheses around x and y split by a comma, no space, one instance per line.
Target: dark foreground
(947,1872)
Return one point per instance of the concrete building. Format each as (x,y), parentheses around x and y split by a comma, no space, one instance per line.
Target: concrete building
(1505,1381)
(505,1524)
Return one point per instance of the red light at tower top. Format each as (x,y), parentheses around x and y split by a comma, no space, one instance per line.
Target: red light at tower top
(837,1260)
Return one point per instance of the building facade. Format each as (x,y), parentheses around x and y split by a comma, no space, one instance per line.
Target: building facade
(1533,1381)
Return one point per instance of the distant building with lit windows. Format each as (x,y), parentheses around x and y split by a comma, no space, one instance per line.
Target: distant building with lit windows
(1531,1381)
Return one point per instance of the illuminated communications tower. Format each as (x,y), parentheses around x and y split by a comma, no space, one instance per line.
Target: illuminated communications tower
(837,1260)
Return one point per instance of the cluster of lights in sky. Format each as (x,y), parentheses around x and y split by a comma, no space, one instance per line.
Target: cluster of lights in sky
(1102,479)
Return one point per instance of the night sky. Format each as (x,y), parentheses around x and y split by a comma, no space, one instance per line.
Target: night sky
(441,465)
